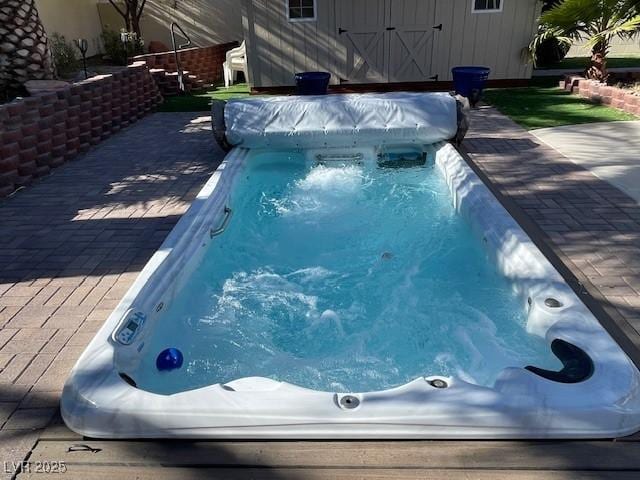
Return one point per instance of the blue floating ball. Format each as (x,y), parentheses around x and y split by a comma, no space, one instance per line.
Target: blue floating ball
(169,359)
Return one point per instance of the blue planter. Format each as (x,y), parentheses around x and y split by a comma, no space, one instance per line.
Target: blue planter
(312,83)
(470,81)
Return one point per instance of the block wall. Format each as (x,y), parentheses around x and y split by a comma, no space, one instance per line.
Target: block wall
(42,132)
(623,99)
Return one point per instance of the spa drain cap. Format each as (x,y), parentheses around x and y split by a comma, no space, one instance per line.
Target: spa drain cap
(349,402)
(553,302)
(439,383)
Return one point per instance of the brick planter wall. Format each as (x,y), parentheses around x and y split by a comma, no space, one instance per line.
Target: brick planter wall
(597,92)
(42,132)
(203,64)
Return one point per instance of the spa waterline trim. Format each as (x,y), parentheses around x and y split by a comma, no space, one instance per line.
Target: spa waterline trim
(100,400)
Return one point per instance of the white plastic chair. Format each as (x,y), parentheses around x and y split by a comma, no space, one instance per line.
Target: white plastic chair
(236,62)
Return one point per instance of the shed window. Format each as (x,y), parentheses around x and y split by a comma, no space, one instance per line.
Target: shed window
(486,6)
(301,10)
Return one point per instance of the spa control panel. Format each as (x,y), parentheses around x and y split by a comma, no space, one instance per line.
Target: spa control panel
(129,327)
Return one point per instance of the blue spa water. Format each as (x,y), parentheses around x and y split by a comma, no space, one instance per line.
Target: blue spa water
(350,278)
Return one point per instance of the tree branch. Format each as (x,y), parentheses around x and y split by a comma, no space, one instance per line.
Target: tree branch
(139,14)
(123,14)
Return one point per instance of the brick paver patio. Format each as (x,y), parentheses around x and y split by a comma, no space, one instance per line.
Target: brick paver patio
(70,246)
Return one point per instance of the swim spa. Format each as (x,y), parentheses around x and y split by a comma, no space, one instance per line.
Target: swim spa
(345,274)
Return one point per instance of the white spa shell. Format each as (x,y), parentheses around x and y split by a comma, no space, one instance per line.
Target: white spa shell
(97,402)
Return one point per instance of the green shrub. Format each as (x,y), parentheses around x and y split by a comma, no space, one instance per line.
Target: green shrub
(118,51)
(64,55)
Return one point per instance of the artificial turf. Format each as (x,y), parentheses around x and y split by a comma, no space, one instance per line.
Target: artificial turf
(540,107)
(580,63)
(201,101)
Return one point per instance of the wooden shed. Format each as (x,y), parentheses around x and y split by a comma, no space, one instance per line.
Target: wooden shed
(386,41)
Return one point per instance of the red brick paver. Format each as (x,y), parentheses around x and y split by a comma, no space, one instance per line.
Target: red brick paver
(70,246)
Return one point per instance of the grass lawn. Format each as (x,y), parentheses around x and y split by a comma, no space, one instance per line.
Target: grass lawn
(201,102)
(542,106)
(580,63)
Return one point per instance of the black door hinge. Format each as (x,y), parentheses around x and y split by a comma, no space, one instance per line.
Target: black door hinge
(343,80)
(391,28)
(438,27)
(341,31)
(434,78)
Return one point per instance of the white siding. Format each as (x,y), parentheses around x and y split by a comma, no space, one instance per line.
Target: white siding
(73,19)
(279,48)
(208,22)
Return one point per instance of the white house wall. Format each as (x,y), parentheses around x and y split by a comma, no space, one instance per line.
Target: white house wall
(208,22)
(278,48)
(56,14)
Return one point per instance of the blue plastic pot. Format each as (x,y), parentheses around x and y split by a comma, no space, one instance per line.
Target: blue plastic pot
(312,83)
(470,81)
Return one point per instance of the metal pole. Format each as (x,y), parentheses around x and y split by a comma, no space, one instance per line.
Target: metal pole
(83,46)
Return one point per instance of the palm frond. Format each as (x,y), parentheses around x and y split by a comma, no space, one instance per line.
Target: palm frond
(597,21)
(528,53)
(627,28)
(572,14)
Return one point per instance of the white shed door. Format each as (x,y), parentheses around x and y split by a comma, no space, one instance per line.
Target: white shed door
(387,40)
(361,27)
(411,40)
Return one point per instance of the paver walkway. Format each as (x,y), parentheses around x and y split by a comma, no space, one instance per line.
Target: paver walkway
(610,150)
(70,246)
(588,228)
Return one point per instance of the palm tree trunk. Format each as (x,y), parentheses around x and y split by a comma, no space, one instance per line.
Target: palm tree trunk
(598,68)
(24,48)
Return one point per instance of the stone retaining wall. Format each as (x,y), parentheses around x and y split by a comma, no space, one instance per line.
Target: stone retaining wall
(42,132)
(595,91)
